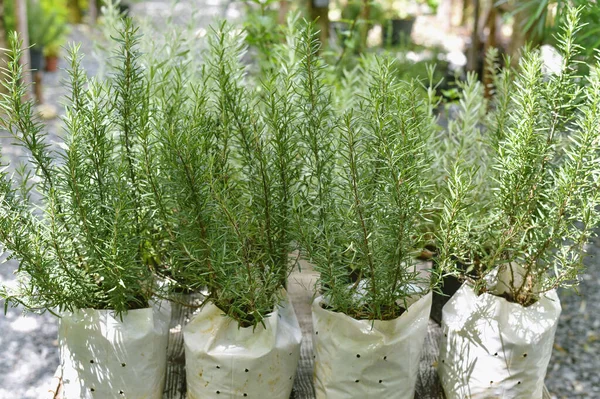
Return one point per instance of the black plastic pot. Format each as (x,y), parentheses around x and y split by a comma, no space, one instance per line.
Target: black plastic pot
(124,9)
(36,58)
(450,285)
(397,31)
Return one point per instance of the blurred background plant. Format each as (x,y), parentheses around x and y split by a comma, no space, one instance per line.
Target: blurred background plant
(540,21)
(46,21)
(263,30)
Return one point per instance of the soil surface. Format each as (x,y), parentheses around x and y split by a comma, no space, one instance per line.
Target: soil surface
(29,346)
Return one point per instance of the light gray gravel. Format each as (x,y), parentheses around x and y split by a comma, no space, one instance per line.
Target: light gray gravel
(574,370)
(28,343)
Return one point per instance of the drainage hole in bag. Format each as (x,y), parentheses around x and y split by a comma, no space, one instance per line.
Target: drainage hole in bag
(380,381)
(121,392)
(123,365)
(356,380)
(246,370)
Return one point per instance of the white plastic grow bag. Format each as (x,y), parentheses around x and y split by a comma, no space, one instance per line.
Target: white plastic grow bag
(365,359)
(493,348)
(102,356)
(232,362)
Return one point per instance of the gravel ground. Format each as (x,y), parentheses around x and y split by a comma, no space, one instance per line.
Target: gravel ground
(29,346)
(574,370)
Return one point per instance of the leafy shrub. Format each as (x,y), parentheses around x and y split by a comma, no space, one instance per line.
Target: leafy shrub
(83,244)
(227,177)
(365,188)
(540,144)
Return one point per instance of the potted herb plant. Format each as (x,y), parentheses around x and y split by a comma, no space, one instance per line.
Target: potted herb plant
(51,54)
(363,197)
(529,238)
(75,221)
(46,27)
(229,153)
(56,32)
(462,139)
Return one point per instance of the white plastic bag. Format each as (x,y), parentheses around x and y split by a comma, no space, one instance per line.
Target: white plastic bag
(232,362)
(103,357)
(493,348)
(363,359)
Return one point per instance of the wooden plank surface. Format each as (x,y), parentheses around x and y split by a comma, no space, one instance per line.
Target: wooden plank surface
(301,291)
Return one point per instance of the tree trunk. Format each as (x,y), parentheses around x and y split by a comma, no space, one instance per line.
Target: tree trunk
(3,43)
(321,15)
(364,26)
(489,44)
(473,56)
(93,11)
(284,5)
(22,29)
(519,37)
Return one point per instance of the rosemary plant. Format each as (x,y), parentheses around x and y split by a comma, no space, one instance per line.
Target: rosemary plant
(544,140)
(365,188)
(84,243)
(229,174)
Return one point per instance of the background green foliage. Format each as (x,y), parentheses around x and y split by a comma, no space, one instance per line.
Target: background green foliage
(545,18)
(47,21)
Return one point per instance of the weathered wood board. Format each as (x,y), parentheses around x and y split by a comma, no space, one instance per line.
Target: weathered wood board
(301,290)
